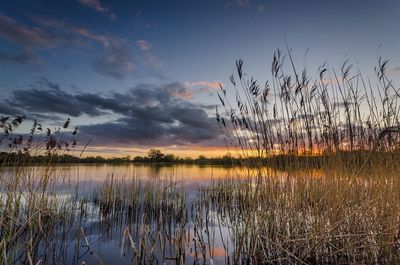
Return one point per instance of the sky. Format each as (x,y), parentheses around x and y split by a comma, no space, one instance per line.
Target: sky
(134,75)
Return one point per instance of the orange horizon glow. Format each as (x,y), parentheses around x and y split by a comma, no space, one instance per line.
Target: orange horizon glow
(181,151)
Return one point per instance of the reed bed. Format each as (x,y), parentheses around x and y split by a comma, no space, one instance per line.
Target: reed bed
(33,212)
(157,222)
(311,218)
(336,120)
(297,113)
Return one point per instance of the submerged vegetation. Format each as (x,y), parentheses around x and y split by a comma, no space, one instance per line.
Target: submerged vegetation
(322,184)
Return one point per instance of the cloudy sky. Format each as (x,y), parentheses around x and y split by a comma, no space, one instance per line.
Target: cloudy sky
(139,74)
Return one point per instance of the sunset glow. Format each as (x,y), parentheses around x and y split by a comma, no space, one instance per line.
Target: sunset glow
(135,76)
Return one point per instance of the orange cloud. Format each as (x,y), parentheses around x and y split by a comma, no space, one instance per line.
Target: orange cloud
(207,84)
(184,94)
(395,71)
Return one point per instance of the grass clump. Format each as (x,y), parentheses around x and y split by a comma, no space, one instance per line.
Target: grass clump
(33,212)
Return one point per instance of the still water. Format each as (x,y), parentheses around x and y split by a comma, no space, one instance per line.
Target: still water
(98,236)
(184,214)
(85,178)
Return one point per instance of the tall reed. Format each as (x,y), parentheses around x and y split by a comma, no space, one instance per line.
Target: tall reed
(296,113)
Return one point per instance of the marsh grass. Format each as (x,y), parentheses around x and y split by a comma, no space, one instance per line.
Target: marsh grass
(336,122)
(33,212)
(151,216)
(297,114)
(312,218)
(159,223)
(296,216)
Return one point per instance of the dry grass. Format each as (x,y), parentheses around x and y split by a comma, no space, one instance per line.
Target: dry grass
(297,114)
(312,217)
(33,212)
(349,214)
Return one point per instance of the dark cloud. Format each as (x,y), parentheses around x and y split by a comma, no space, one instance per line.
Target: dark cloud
(116,63)
(28,38)
(144,115)
(68,33)
(157,115)
(48,98)
(51,119)
(24,35)
(7,109)
(137,131)
(44,82)
(116,59)
(24,57)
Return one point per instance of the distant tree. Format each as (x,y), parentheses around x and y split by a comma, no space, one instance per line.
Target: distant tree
(169,158)
(187,159)
(138,159)
(155,155)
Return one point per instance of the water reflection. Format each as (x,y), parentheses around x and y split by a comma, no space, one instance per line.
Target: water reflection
(129,214)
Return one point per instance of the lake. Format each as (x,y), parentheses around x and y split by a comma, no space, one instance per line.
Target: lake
(95,237)
(191,214)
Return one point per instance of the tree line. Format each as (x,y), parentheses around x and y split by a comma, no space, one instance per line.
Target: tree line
(153,156)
